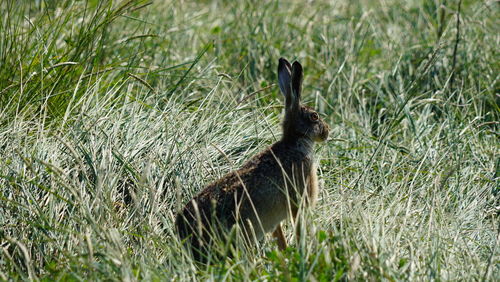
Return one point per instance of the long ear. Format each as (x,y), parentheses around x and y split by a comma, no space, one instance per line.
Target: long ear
(297,77)
(285,81)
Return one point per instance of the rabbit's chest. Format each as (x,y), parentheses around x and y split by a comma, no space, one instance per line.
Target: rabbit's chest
(305,177)
(312,186)
(306,181)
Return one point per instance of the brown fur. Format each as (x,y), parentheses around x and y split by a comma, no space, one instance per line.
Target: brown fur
(266,188)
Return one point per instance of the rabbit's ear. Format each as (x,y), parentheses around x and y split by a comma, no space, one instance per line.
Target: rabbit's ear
(297,77)
(285,80)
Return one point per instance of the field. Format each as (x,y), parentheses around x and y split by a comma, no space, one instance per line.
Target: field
(114,113)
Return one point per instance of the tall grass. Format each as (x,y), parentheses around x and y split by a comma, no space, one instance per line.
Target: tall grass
(113,114)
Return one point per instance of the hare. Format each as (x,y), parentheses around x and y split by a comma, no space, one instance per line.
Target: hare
(269,187)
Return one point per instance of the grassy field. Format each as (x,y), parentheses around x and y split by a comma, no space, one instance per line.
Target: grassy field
(114,113)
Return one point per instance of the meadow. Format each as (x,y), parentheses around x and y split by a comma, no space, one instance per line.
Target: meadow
(113,114)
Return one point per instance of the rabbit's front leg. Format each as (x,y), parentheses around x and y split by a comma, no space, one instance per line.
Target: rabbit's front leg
(278,234)
(297,221)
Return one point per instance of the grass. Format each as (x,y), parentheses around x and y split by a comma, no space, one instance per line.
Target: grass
(114,113)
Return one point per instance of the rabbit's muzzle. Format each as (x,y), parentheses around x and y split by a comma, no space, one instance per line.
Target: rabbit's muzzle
(324,131)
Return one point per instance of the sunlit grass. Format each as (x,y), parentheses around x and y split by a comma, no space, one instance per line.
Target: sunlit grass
(112,115)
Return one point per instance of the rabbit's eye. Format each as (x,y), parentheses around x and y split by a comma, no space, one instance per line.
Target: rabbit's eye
(314,117)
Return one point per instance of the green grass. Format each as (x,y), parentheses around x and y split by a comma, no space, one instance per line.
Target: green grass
(113,114)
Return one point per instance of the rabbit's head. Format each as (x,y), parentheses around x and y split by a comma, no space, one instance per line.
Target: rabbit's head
(300,121)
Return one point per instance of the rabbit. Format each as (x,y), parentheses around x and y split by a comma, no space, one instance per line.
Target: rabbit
(269,187)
